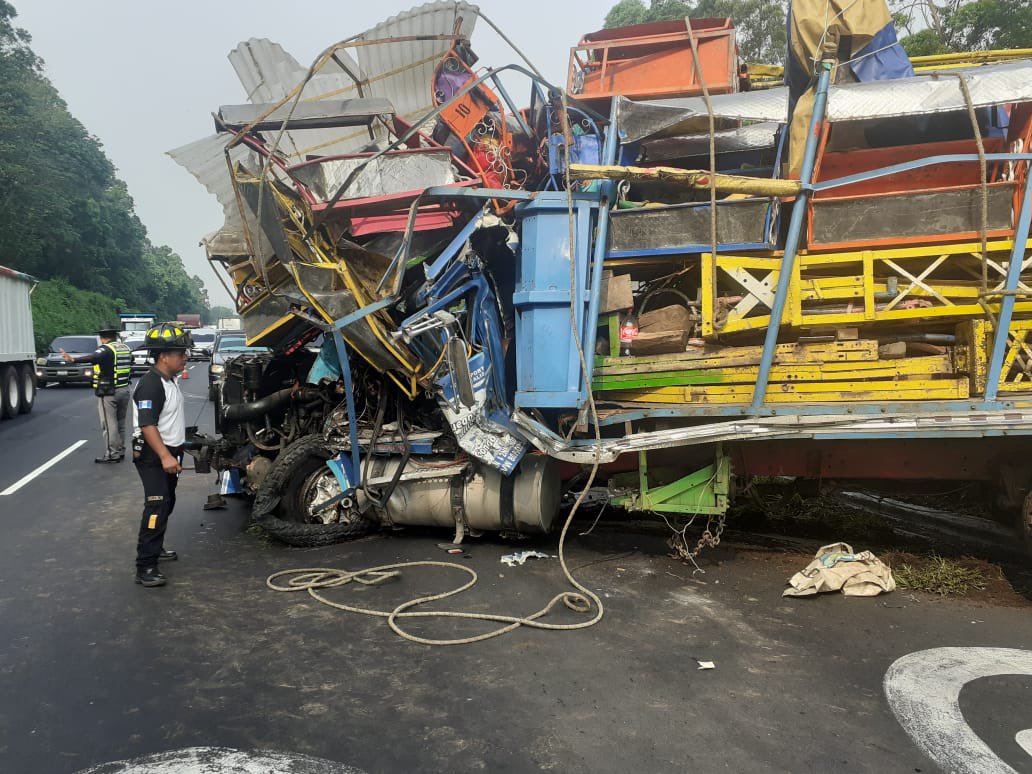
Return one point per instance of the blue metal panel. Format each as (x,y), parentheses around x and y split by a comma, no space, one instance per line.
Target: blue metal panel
(548,369)
(607,191)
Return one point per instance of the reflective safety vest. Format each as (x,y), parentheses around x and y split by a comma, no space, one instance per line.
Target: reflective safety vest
(123,368)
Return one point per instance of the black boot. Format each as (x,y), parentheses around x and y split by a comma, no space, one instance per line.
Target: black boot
(106,460)
(150,577)
(167,555)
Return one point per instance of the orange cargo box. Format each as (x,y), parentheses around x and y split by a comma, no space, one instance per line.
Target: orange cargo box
(654,60)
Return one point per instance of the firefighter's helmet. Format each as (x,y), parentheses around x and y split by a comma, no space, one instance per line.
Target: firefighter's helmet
(167,336)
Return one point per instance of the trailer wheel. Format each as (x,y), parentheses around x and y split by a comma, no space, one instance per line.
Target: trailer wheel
(28,389)
(10,392)
(299,478)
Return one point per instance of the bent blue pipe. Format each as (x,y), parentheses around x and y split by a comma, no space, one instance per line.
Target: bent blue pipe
(607,191)
(1010,285)
(795,231)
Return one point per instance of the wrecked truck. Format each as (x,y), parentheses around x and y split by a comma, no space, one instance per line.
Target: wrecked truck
(654,298)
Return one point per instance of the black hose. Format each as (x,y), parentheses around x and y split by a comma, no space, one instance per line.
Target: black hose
(245,412)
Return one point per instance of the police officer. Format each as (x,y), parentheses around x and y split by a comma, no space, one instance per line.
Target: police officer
(112,366)
(159,434)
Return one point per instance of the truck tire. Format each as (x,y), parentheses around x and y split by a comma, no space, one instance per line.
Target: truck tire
(279,504)
(10,392)
(27,382)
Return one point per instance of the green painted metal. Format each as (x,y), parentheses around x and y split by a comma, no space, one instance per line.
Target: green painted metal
(663,379)
(703,492)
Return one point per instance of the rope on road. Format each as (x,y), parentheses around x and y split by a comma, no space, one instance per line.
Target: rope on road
(315,579)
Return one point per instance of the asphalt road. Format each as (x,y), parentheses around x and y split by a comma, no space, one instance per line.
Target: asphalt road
(95,669)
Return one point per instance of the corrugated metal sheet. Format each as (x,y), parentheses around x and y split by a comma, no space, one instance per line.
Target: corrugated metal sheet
(205,159)
(16,335)
(398,72)
(268,73)
(745,138)
(402,72)
(922,94)
(386,176)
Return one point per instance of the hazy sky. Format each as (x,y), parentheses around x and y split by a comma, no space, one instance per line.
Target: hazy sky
(144,77)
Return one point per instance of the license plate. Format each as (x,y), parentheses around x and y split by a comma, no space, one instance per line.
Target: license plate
(62,373)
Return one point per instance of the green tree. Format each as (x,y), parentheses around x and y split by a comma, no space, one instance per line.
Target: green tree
(59,309)
(760,23)
(943,26)
(63,212)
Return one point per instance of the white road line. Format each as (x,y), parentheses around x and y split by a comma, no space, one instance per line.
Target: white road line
(41,469)
(923,690)
(1024,740)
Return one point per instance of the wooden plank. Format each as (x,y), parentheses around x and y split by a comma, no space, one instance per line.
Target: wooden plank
(722,357)
(616,292)
(688,178)
(836,392)
(659,342)
(917,367)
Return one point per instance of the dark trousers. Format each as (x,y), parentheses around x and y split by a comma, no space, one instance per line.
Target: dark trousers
(159,498)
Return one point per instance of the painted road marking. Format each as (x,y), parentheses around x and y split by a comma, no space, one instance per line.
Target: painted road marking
(219,760)
(923,690)
(41,469)
(1024,740)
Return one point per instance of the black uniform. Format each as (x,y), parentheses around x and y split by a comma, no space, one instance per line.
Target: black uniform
(157,402)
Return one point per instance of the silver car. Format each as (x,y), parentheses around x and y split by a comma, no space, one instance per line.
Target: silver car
(228,344)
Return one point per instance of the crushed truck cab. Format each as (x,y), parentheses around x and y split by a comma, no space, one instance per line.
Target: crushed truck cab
(470,307)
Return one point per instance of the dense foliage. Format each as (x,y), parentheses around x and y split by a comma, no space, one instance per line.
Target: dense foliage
(58,308)
(935,27)
(64,215)
(924,26)
(760,23)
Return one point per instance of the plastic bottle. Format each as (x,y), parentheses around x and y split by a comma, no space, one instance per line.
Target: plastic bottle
(628,333)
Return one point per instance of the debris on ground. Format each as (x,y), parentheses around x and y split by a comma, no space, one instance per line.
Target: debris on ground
(837,567)
(705,664)
(521,557)
(937,575)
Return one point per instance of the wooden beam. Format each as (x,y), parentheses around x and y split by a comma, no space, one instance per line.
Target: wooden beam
(687,178)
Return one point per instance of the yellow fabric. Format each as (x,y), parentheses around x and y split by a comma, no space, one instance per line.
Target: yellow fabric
(816,28)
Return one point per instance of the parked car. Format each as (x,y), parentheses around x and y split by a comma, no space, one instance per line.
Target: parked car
(141,358)
(204,343)
(228,344)
(53,369)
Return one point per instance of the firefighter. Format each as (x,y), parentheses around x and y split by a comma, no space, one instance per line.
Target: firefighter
(112,367)
(159,434)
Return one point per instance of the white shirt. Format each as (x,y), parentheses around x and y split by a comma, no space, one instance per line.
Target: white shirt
(160,401)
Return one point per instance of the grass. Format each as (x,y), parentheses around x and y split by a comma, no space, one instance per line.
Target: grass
(937,575)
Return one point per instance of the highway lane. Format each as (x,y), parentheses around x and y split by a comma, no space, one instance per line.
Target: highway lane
(63,415)
(95,669)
